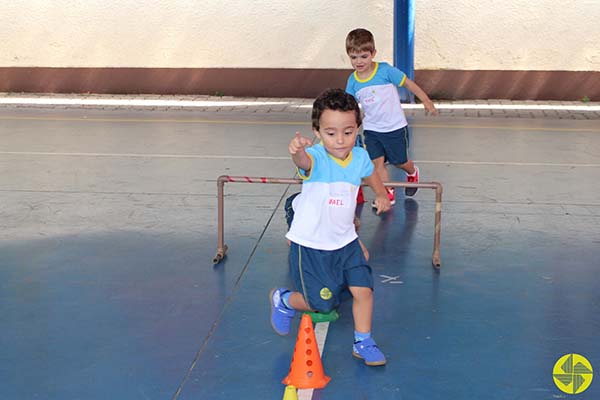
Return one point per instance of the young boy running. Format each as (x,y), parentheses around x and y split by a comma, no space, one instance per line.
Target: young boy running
(325,259)
(375,86)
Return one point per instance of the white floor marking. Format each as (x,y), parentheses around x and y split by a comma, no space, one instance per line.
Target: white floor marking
(236,103)
(510,163)
(245,157)
(141,155)
(136,102)
(390,279)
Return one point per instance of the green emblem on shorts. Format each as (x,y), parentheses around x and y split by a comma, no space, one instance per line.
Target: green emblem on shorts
(325,293)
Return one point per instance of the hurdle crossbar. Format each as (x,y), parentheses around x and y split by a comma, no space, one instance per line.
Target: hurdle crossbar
(221,180)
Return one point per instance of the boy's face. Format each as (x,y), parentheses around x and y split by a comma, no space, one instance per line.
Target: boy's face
(337,132)
(362,61)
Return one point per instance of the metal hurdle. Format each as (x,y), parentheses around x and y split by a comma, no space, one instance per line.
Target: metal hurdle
(221,180)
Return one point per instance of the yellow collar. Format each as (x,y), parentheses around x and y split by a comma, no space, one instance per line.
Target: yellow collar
(370,76)
(342,163)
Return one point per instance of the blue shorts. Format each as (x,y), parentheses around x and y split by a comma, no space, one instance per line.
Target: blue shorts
(289,210)
(323,276)
(393,146)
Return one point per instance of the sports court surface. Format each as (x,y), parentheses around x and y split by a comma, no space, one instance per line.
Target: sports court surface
(109,228)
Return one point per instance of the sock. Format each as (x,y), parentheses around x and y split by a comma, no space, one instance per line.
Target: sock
(359,336)
(285,299)
(414,173)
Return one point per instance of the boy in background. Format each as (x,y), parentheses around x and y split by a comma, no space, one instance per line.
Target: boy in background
(375,86)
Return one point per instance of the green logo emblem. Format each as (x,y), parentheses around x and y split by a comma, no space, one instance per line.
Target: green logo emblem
(325,293)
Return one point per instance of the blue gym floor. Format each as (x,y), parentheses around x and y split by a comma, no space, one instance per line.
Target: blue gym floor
(108,231)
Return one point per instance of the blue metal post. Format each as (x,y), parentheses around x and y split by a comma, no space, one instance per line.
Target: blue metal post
(404,46)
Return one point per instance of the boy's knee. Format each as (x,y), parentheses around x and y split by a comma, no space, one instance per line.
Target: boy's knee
(361,292)
(379,161)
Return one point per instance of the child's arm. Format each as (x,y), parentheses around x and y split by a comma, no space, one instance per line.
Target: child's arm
(382,202)
(297,150)
(414,88)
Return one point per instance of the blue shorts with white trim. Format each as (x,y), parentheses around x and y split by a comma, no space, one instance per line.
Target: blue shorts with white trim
(393,146)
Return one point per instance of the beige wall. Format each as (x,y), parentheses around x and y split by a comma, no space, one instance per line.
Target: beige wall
(465,49)
(189,34)
(459,34)
(508,35)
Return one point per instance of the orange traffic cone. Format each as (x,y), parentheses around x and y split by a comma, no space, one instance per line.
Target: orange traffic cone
(306,370)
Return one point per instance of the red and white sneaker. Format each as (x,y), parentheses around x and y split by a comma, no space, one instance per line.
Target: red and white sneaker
(414,179)
(391,195)
(391,192)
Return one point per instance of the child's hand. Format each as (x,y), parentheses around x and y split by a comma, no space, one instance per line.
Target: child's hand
(382,203)
(430,108)
(299,143)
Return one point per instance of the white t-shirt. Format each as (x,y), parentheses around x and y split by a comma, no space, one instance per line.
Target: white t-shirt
(324,210)
(379,98)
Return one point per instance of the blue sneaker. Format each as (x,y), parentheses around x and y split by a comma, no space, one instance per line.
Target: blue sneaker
(281,316)
(368,351)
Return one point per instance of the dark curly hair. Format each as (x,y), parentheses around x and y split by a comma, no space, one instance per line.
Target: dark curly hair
(337,100)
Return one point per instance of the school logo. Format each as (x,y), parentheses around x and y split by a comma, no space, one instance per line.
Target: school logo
(325,293)
(572,373)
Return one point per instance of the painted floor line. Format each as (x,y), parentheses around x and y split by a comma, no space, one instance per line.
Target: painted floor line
(155,120)
(510,163)
(505,128)
(286,123)
(64,101)
(494,202)
(141,155)
(245,157)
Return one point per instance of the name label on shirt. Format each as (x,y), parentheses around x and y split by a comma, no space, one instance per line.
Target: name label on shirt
(336,202)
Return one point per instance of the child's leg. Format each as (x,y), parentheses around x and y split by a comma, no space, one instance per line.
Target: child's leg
(362,308)
(297,302)
(364,249)
(396,145)
(384,175)
(364,346)
(408,167)
(362,245)
(376,147)
(381,169)
(412,176)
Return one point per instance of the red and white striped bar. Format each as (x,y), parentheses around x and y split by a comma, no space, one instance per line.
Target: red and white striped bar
(221,180)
